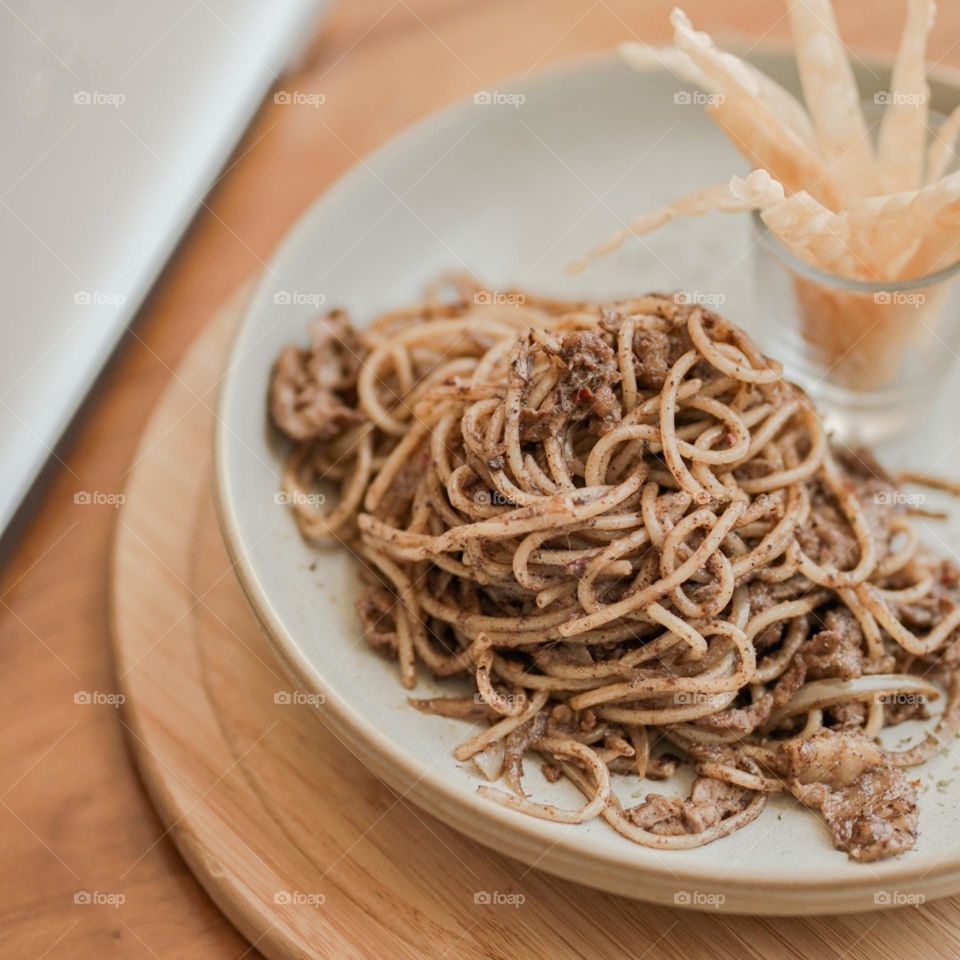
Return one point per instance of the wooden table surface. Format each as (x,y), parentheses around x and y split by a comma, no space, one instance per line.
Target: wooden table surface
(73,814)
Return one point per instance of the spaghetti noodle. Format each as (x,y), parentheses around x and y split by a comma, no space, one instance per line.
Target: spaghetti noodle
(628,533)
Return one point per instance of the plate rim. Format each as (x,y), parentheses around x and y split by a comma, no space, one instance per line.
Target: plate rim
(508,831)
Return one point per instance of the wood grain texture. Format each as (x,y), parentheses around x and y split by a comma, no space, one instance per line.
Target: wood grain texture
(73,815)
(306,851)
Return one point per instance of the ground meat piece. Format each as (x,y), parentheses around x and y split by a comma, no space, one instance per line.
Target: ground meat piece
(537,425)
(875,488)
(871,809)
(678,314)
(551,773)
(403,487)
(742,719)
(871,818)
(312,390)
(662,767)
(560,720)
(762,598)
(847,716)
(876,816)
(747,719)
(924,613)
(588,720)
(611,318)
(948,577)
(710,801)
(586,388)
(836,650)
(656,811)
(680,343)
(651,351)
(920,615)
(791,680)
(827,537)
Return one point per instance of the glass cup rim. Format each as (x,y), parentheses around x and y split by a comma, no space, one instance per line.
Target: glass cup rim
(835,280)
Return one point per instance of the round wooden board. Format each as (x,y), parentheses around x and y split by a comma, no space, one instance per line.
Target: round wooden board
(308,853)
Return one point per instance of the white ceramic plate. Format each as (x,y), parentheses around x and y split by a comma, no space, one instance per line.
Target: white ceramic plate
(511,191)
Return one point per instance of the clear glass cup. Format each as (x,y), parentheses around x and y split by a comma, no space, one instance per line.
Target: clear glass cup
(872,355)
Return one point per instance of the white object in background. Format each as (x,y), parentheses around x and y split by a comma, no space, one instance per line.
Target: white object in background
(116,119)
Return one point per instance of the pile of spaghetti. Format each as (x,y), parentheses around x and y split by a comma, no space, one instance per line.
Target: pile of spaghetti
(634,540)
